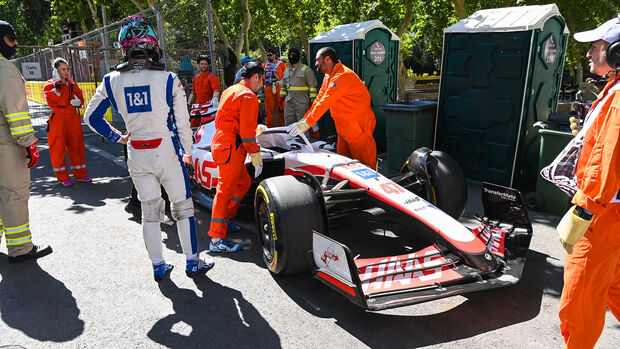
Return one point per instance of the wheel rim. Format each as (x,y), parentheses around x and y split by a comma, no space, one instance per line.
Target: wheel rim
(265,229)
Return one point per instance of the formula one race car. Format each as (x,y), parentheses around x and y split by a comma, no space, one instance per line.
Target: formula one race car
(306,193)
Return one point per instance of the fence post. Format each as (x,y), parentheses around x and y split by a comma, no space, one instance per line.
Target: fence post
(160,33)
(104,40)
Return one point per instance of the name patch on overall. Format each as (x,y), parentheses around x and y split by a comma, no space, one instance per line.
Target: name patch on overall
(138,99)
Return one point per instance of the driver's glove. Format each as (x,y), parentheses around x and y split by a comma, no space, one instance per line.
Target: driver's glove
(257,161)
(298,128)
(214,102)
(573,226)
(260,129)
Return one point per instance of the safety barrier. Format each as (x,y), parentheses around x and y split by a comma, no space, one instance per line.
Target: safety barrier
(34,92)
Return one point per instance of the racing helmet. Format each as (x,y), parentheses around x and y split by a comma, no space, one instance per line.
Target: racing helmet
(137,39)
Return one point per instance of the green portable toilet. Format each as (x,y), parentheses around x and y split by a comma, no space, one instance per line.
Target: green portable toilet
(370,49)
(501,72)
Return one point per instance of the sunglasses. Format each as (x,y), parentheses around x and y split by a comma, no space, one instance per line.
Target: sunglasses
(269,55)
(11,37)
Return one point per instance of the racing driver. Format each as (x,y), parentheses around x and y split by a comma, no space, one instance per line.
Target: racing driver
(152,103)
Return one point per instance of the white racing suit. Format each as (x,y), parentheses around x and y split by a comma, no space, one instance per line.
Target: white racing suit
(153,106)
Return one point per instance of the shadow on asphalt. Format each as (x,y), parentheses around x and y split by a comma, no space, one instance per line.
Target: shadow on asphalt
(250,253)
(34,302)
(86,196)
(220,317)
(481,312)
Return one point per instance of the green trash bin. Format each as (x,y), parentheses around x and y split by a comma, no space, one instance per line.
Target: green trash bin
(552,142)
(409,126)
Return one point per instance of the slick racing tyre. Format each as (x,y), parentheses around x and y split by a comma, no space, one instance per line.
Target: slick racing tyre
(286,212)
(448,189)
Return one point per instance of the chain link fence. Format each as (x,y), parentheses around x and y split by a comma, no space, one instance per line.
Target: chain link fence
(183,31)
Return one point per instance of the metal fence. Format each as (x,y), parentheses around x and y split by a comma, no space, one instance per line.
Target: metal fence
(183,30)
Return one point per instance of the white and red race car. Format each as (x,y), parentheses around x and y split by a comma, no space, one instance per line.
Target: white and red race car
(306,191)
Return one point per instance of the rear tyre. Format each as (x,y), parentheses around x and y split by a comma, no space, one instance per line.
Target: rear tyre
(286,213)
(448,187)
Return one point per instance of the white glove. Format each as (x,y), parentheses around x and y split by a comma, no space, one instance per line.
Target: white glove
(298,128)
(257,161)
(76,102)
(214,102)
(260,129)
(55,75)
(274,88)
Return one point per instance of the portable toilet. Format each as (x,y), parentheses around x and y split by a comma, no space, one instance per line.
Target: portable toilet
(501,72)
(370,49)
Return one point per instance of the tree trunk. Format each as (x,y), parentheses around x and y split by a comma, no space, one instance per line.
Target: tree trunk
(243,33)
(459,6)
(220,28)
(259,40)
(93,12)
(138,5)
(402,71)
(303,36)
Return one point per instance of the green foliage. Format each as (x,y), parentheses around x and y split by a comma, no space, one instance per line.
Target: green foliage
(282,23)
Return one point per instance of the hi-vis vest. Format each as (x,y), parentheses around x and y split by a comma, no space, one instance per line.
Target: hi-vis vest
(294,80)
(270,72)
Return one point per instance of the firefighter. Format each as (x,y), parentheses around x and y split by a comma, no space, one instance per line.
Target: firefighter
(348,100)
(64,126)
(152,103)
(590,229)
(18,153)
(298,88)
(234,138)
(205,88)
(274,70)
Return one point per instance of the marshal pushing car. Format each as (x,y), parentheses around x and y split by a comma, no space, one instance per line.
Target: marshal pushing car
(307,193)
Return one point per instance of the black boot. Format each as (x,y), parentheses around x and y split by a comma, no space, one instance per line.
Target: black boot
(135,208)
(37,251)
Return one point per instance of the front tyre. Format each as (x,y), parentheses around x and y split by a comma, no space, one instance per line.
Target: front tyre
(286,212)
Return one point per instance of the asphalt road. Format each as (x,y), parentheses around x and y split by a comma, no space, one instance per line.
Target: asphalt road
(96,290)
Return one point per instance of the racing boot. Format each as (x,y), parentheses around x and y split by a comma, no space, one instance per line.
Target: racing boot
(161,270)
(223,245)
(232,227)
(195,267)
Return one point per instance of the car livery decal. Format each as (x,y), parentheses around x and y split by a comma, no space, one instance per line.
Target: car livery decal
(403,273)
(393,194)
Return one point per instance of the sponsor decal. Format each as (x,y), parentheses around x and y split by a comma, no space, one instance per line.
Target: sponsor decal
(353,166)
(412,200)
(138,99)
(506,196)
(406,271)
(329,255)
(203,174)
(365,173)
(391,188)
(492,237)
